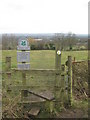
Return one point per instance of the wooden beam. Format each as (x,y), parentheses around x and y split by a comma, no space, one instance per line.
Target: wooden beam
(47,96)
(57,84)
(26,87)
(57,58)
(37,71)
(69,79)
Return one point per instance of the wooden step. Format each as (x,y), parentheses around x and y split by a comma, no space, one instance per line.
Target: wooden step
(47,95)
(34,111)
(32,99)
(31,102)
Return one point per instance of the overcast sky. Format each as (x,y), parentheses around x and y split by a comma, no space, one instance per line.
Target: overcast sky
(44,16)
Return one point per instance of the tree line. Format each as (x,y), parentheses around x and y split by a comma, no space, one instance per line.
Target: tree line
(67,42)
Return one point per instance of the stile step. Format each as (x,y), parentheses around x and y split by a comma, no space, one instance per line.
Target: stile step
(34,111)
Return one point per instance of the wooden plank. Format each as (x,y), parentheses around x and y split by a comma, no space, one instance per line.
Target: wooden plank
(34,111)
(37,71)
(25,87)
(32,101)
(45,95)
(23,78)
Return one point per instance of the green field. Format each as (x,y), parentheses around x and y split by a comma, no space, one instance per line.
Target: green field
(44,59)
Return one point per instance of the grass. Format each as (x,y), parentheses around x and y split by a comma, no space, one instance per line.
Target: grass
(44,59)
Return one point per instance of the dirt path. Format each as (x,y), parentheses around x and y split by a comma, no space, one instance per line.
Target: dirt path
(76,113)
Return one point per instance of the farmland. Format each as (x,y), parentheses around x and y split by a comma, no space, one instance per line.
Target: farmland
(44,59)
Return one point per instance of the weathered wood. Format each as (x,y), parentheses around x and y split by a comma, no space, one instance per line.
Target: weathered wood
(26,87)
(8,63)
(34,111)
(8,81)
(57,87)
(36,101)
(57,66)
(63,76)
(57,58)
(24,93)
(62,84)
(37,71)
(23,78)
(69,80)
(47,95)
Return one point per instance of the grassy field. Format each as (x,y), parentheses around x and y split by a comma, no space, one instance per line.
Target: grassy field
(44,59)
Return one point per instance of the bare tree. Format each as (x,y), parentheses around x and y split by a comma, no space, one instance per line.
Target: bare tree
(9,41)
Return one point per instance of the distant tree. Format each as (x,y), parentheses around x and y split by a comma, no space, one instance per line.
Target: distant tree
(60,38)
(65,41)
(33,47)
(31,40)
(9,42)
(5,42)
(71,40)
(52,46)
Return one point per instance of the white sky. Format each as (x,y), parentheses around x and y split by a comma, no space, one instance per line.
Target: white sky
(44,16)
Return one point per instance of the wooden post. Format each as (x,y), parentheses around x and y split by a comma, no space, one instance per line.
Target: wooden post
(23,78)
(74,59)
(8,63)
(57,58)
(57,76)
(62,84)
(8,81)
(69,80)
(24,93)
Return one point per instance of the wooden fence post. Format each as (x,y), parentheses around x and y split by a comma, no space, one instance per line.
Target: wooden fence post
(8,63)
(58,75)
(70,80)
(24,93)
(8,81)
(23,78)
(62,84)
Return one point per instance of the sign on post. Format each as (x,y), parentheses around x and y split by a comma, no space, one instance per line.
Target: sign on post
(23,55)
(23,45)
(23,66)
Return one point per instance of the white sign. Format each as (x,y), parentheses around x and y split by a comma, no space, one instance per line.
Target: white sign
(23,43)
(23,48)
(23,56)
(23,66)
(58,52)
